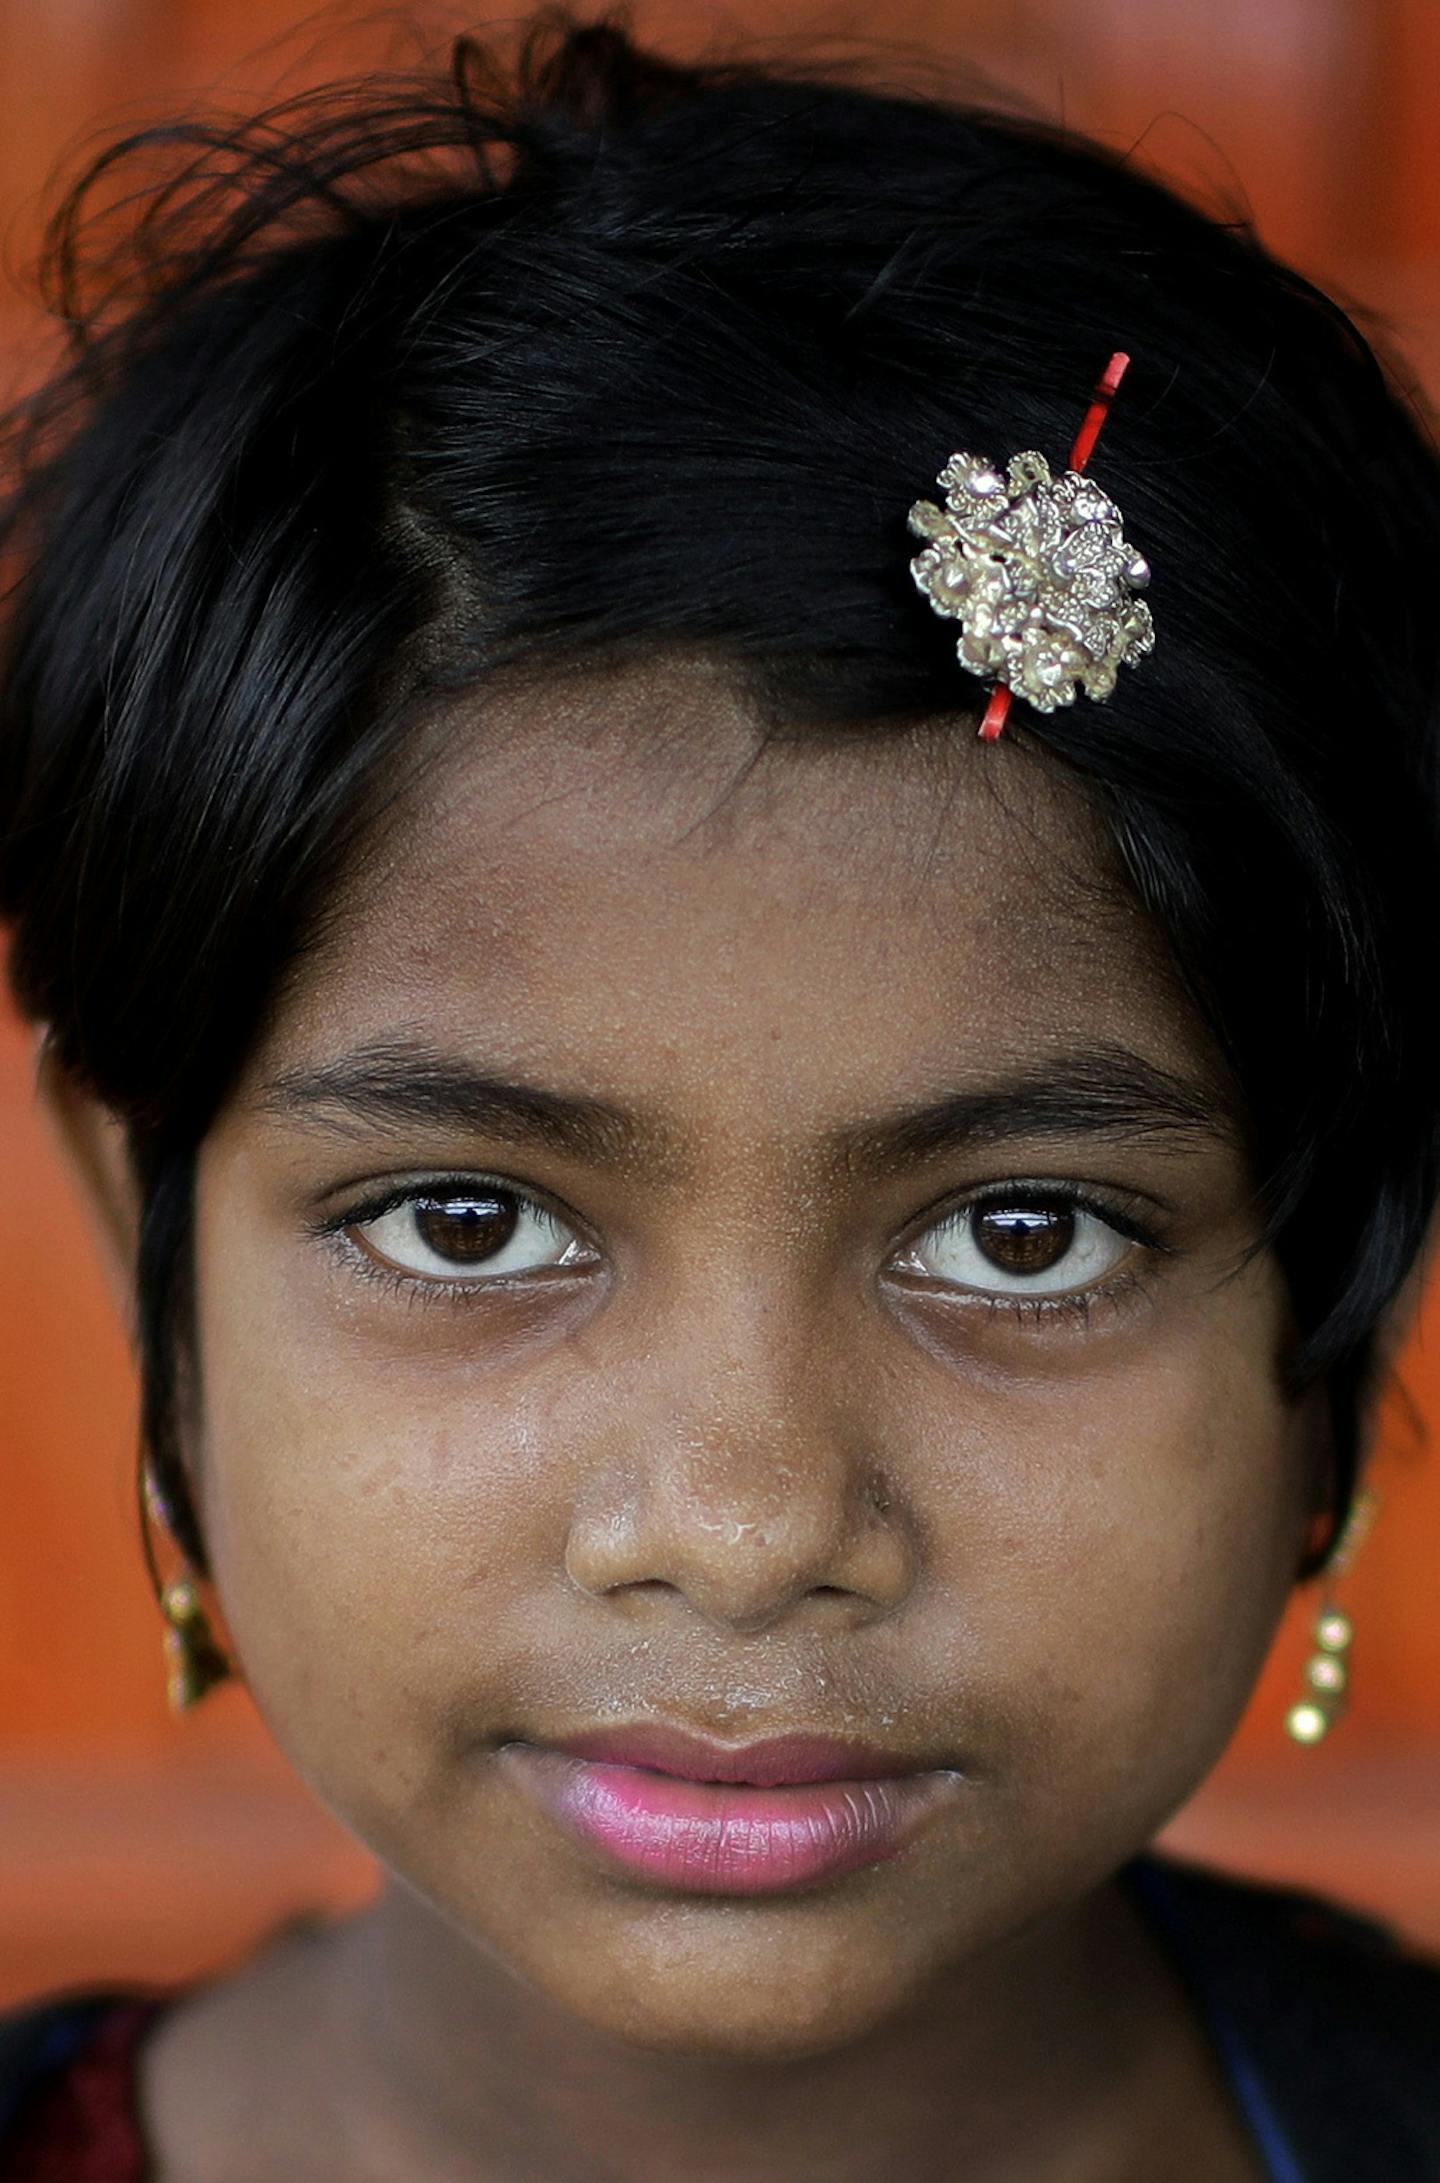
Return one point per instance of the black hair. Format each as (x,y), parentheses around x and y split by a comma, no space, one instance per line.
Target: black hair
(583,352)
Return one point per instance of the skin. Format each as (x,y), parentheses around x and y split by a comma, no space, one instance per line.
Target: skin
(753,1463)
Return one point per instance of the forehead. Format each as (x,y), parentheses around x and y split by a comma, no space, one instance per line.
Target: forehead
(621,874)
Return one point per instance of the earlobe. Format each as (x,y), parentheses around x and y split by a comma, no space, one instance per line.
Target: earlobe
(92,1144)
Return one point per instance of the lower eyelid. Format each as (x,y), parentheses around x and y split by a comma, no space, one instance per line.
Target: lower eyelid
(414,1288)
(1131,1278)
(1076,1305)
(1065,1313)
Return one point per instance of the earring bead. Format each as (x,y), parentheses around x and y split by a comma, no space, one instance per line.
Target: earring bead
(1307,1723)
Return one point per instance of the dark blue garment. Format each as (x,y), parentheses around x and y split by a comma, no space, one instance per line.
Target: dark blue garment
(1328,2034)
(1165,1911)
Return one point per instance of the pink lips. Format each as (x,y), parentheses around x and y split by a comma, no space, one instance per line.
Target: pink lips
(717,1820)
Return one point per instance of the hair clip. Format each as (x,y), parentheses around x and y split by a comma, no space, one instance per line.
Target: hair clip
(1037,571)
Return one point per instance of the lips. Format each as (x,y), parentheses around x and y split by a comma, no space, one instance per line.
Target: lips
(789,1813)
(777,1762)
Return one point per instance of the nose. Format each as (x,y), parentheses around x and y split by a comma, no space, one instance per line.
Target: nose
(742,1487)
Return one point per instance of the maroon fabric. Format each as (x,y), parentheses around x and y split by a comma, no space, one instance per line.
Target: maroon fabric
(81,2125)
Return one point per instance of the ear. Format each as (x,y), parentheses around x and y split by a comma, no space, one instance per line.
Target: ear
(91,1141)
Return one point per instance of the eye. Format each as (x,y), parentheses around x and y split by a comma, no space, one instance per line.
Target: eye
(463,1232)
(1026,1246)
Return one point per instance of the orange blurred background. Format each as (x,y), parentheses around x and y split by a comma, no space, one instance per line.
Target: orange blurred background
(131,1845)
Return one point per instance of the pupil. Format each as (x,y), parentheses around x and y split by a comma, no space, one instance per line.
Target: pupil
(1024,1239)
(465,1229)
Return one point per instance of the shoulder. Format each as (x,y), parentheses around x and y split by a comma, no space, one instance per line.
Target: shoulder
(1339,2021)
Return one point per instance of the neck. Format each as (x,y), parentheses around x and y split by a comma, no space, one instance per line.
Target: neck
(1022,2063)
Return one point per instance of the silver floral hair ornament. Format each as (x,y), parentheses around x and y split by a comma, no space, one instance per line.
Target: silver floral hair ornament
(1037,571)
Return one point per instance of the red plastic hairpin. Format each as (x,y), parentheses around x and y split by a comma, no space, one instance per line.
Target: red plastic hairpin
(1002,697)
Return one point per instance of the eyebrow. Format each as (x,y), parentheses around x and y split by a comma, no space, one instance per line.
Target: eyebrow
(1097,1092)
(401,1085)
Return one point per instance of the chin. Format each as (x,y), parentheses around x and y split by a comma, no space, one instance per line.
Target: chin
(685,1987)
(774,2027)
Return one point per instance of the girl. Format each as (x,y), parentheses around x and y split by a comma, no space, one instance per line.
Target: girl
(750,1302)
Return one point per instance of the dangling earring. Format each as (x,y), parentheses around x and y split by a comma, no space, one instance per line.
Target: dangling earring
(1327,1671)
(195,1659)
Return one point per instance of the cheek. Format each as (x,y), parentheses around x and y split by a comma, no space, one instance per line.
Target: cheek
(1118,1544)
(382,1528)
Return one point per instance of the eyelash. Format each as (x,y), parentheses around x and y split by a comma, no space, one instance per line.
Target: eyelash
(1075,1307)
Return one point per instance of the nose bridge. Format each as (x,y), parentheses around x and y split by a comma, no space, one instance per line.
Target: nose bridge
(755,1453)
(750,1484)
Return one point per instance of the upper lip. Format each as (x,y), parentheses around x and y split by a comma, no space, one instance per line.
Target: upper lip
(771,1763)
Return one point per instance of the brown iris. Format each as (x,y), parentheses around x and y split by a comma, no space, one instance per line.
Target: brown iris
(465,1230)
(1023,1239)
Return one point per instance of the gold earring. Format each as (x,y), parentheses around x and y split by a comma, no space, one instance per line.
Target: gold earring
(195,1660)
(1327,1671)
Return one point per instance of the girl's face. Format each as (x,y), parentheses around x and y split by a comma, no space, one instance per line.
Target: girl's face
(740,1254)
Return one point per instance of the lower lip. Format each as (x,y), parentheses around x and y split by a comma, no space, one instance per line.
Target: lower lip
(714,1838)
